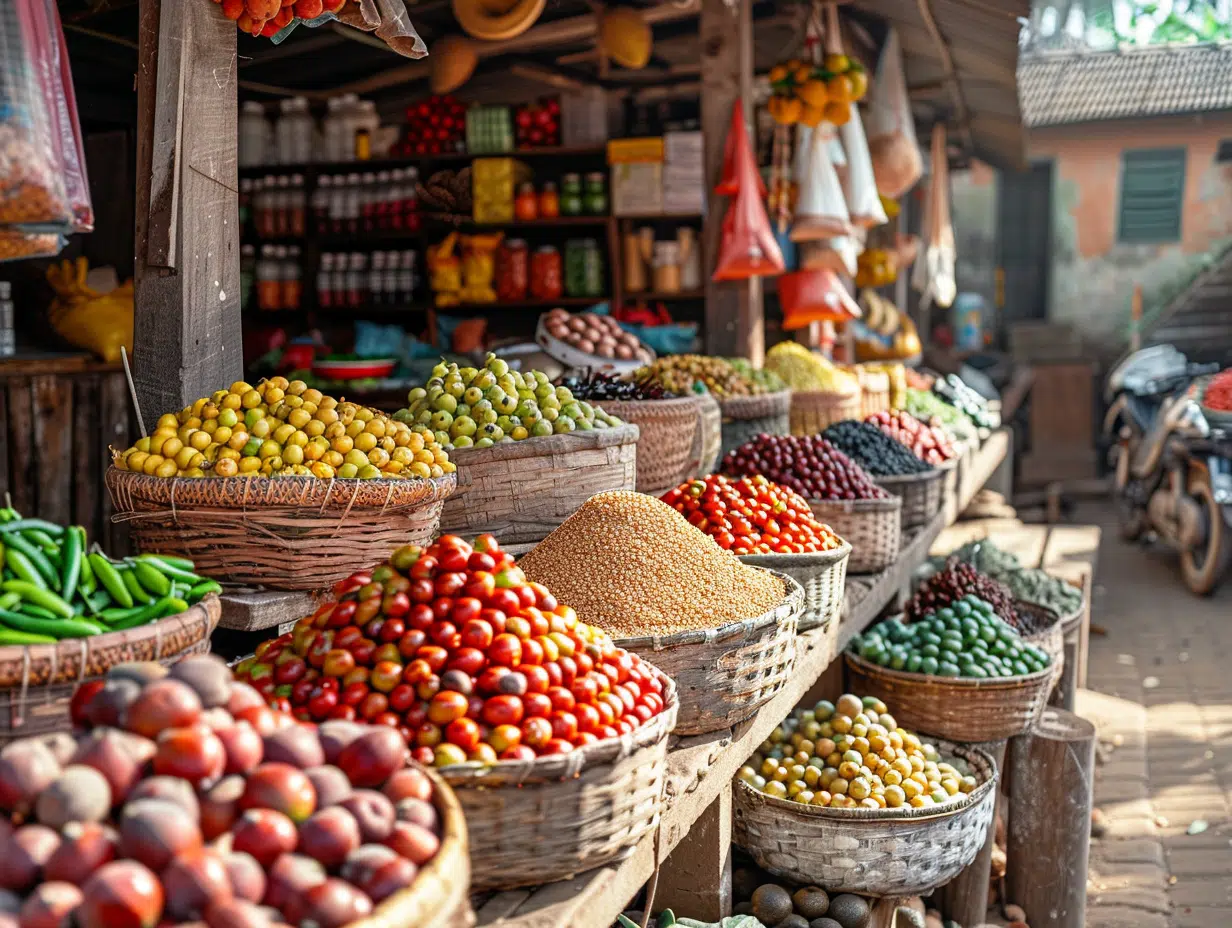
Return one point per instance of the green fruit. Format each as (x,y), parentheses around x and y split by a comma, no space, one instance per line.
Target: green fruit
(493,432)
(447,402)
(463,426)
(551,413)
(455,388)
(506,403)
(484,442)
(442,438)
(484,380)
(463,441)
(441,420)
(497,366)
(527,409)
(467,374)
(462,410)
(543,391)
(541,428)
(440,370)
(564,395)
(348,470)
(584,425)
(562,425)
(472,395)
(506,423)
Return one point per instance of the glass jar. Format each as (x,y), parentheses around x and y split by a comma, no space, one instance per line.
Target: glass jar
(512,270)
(595,199)
(526,204)
(292,287)
(592,269)
(254,135)
(575,268)
(571,195)
(546,274)
(269,286)
(549,202)
(325,281)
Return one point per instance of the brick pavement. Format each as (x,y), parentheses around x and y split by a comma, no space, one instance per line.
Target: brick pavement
(1160,693)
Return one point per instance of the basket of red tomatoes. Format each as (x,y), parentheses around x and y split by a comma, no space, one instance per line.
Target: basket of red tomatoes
(768,525)
(524,710)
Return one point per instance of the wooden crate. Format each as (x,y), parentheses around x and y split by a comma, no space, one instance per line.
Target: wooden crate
(57,417)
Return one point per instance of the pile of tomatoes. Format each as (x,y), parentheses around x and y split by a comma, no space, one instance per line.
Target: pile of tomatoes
(452,646)
(1218,395)
(537,125)
(751,515)
(434,126)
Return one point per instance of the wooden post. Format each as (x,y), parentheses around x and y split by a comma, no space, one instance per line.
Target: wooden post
(695,880)
(734,317)
(965,898)
(1051,776)
(1135,319)
(187,317)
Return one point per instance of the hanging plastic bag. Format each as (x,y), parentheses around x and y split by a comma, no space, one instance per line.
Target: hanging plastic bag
(815,295)
(933,274)
(389,19)
(66,128)
(897,162)
(747,248)
(859,184)
(17,246)
(737,138)
(821,211)
(97,322)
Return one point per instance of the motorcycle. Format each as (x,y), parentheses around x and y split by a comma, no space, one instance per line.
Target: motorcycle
(1172,467)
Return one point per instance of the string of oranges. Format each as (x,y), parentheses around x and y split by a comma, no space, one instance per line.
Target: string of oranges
(808,93)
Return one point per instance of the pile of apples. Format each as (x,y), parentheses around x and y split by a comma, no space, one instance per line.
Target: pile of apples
(451,647)
(186,799)
(269,17)
(537,125)
(434,126)
(929,443)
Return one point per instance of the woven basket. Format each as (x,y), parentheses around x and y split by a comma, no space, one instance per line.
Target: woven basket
(922,495)
(284,533)
(37,681)
(724,675)
(544,820)
(821,574)
(521,491)
(874,392)
(708,442)
(746,417)
(439,896)
(876,852)
(1050,637)
(668,429)
(813,410)
(872,527)
(959,708)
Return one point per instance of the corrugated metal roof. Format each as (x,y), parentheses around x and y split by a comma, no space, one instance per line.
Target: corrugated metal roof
(1063,88)
(982,38)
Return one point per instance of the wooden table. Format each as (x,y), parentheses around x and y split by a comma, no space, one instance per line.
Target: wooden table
(701,767)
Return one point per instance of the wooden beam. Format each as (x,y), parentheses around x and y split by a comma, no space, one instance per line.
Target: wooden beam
(951,73)
(187,316)
(536,38)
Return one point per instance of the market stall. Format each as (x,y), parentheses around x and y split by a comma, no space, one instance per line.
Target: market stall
(595,614)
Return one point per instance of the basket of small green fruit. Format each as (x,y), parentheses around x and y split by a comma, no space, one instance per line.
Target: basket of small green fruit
(961,673)
(528,453)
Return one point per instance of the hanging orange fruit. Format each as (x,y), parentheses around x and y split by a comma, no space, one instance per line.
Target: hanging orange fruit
(837,64)
(839,88)
(837,113)
(778,74)
(811,116)
(803,74)
(859,83)
(812,92)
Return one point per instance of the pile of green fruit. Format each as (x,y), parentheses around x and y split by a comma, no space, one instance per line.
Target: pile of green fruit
(964,639)
(53,587)
(478,407)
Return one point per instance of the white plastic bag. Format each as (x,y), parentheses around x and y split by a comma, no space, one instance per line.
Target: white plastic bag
(859,185)
(821,211)
(897,163)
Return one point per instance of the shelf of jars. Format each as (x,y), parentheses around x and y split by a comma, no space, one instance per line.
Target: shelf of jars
(402,161)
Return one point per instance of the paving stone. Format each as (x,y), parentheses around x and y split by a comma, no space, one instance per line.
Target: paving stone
(1200,862)
(1204,917)
(1201,892)
(1119,916)
(1130,851)
(1145,898)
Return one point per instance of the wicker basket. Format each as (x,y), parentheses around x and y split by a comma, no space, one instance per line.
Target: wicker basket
(746,417)
(708,442)
(439,896)
(813,410)
(959,708)
(872,527)
(1050,636)
(37,681)
(922,495)
(724,675)
(821,574)
(668,429)
(544,820)
(521,491)
(877,852)
(284,533)
(874,392)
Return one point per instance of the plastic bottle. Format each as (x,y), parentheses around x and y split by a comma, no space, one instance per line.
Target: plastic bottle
(269,293)
(294,131)
(254,131)
(369,195)
(331,128)
(325,281)
(382,205)
(353,198)
(320,203)
(410,200)
(282,206)
(389,283)
(376,280)
(357,280)
(338,204)
(292,287)
(296,206)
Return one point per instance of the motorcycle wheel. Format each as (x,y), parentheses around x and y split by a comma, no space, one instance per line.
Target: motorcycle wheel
(1204,568)
(1132,519)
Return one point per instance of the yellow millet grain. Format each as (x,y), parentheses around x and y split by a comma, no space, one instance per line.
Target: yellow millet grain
(631,565)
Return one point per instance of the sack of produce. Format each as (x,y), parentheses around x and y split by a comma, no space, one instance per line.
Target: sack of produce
(99,322)
(890,126)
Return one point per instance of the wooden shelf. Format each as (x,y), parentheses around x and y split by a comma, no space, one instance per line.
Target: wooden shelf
(700,767)
(651,296)
(445,219)
(405,161)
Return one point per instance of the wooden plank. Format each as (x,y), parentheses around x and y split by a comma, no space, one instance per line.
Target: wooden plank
(187,323)
(696,878)
(168,127)
(21,438)
(117,419)
(53,417)
(87,456)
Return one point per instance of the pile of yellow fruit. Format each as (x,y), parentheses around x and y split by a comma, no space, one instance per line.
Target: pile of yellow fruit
(809,94)
(852,754)
(284,428)
(803,369)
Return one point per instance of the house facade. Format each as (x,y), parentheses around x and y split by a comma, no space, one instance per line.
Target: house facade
(1130,182)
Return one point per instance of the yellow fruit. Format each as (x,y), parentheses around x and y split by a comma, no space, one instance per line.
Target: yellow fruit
(250,465)
(167,421)
(625,36)
(859,83)
(837,64)
(226,467)
(813,93)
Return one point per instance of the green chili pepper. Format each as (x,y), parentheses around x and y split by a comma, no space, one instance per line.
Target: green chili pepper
(10,637)
(166,567)
(22,525)
(60,628)
(1,556)
(199,591)
(44,598)
(36,612)
(111,580)
(16,542)
(110,616)
(70,570)
(23,568)
(88,580)
(97,601)
(180,563)
(10,600)
(139,593)
(168,605)
(151,580)
(42,539)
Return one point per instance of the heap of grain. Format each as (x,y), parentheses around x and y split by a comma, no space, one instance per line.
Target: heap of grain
(633,566)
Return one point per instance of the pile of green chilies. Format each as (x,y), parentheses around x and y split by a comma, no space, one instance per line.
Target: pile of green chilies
(52,586)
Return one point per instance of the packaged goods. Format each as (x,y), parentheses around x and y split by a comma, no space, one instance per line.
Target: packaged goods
(454,648)
(632,565)
(852,754)
(751,515)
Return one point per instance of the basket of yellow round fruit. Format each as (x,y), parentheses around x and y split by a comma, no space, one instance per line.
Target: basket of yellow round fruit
(528,452)
(840,796)
(280,486)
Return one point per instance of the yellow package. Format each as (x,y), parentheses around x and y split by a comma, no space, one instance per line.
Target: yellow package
(97,322)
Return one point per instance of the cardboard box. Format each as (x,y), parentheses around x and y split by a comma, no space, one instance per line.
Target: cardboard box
(637,189)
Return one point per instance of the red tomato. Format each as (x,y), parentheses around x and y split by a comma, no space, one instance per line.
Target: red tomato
(536,732)
(562,699)
(564,725)
(464,733)
(345,637)
(428,687)
(402,697)
(584,690)
(337,663)
(420,617)
(416,715)
(435,656)
(482,584)
(506,650)
(442,633)
(537,705)
(385,676)
(532,652)
(424,755)
(442,608)
(345,713)
(477,633)
(392,631)
(481,561)
(554,674)
(424,568)
(568,670)
(469,660)
(588,717)
(642,712)
(503,710)
(373,705)
(449,584)
(489,680)
(322,704)
(410,642)
(496,618)
(396,604)
(422,591)
(428,735)
(537,679)
(506,600)
(416,671)
(518,752)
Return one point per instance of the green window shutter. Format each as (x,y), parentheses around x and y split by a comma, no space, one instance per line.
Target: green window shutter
(1152,195)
